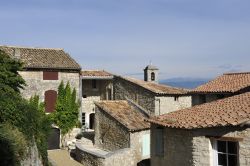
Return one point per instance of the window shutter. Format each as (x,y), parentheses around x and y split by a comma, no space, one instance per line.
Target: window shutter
(50,75)
(50,100)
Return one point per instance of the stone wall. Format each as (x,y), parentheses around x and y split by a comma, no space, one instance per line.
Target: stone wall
(136,145)
(88,107)
(193,147)
(122,157)
(92,95)
(33,157)
(177,148)
(169,103)
(124,89)
(36,84)
(109,133)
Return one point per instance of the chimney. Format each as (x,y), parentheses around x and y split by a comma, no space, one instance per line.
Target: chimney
(17,53)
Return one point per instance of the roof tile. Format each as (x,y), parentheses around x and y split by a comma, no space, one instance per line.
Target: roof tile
(43,58)
(230,111)
(125,114)
(230,82)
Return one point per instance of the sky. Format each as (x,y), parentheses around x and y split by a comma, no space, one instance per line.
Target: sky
(183,38)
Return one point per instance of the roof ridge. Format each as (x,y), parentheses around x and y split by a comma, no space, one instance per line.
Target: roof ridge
(31,47)
(232,73)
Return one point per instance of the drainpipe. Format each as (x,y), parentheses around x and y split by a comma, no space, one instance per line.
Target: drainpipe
(159,102)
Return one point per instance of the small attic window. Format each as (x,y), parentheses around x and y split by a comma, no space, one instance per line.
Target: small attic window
(152,76)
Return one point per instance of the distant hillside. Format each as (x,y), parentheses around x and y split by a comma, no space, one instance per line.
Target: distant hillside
(188,83)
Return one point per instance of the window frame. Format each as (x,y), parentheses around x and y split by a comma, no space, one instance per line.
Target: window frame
(216,152)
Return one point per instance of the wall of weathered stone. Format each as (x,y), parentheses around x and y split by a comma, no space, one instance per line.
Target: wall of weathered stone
(168,104)
(33,157)
(136,145)
(109,133)
(177,148)
(36,84)
(192,147)
(124,89)
(93,95)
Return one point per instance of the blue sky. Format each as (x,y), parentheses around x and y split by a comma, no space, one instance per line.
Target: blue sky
(184,38)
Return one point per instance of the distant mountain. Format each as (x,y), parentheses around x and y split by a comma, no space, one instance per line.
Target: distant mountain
(185,82)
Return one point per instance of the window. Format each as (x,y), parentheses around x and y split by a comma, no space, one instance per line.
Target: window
(202,99)
(152,76)
(176,98)
(159,142)
(226,153)
(94,84)
(83,119)
(50,75)
(50,100)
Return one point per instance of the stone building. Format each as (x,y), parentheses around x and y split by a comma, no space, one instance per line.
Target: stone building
(214,133)
(155,98)
(122,137)
(151,74)
(96,85)
(226,85)
(43,71)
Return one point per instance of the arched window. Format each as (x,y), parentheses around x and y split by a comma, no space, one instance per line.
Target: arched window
(152,76)
(50,100)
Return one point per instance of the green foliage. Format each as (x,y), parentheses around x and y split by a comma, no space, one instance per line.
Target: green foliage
(43,126)
(27,116)
(9,77)
(67,109)
(13,145)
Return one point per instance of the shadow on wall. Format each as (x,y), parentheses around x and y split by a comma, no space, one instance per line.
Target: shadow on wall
(145,162)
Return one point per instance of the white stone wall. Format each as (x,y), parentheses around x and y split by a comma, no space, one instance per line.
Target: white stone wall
(88,106)
(136,145)
(37,86)
(168,104)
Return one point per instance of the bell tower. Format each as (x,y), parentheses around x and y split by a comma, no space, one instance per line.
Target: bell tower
(151,73)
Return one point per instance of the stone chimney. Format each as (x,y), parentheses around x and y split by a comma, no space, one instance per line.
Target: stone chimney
(151,74)
(17,53)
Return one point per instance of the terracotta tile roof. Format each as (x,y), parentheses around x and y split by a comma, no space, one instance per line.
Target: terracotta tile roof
(125,114)
(157,88)
(95,74)
(230,82)
(231,111)
(42,58)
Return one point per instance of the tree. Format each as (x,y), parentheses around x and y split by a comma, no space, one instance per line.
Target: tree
(26,117)
(9,77)
(67,110)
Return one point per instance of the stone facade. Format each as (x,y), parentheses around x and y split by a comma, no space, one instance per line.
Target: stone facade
(103,91)
(109,133)
(37,86)
(194,147)
(150,101)
(168,104)
(124,89)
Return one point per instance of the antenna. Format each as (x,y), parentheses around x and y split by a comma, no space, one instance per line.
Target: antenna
(150,62)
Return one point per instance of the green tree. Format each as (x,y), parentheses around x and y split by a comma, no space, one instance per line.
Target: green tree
(67,109)
(9,77)
(27,116)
